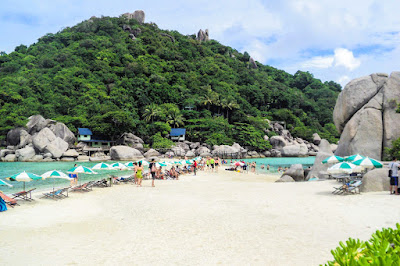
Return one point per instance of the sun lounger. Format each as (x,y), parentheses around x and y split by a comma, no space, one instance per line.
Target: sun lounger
(24,195)
(10,201)
(354,188)
(81,188)
(58,194)
(101,183)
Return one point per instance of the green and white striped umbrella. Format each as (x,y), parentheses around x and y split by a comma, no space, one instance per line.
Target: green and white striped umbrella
(119,166)
(24,177)
(189,161)
(55,174)
(4,183)
(161,164)
(343,167)
(129,164)
(81,169)
(333,159)
(144,163)
(102,166)
(368,163)
(354,157)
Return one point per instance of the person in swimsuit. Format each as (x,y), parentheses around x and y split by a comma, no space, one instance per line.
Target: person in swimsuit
(139,175)
(153,170)
(216,164)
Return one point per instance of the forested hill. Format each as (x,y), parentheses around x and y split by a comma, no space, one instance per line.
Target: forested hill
(114,75)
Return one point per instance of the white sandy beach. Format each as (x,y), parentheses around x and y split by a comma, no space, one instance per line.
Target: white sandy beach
(226,218)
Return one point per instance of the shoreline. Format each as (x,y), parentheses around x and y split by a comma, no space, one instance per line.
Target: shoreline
(225,218)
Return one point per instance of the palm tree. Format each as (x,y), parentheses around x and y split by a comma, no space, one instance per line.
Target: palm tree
(230,105)
(175,118)
(151,112)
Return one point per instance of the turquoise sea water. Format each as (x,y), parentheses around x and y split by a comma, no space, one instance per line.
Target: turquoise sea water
(9,169)
(283,162)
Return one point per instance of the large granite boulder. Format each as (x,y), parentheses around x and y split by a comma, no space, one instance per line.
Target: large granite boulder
(252,63)
(83,158)
(71,153)
(253,154)
(225,151)
(25,154)
(36,123)
(125,153)
(376,180)
(5,152)
(202,150)
(316,139)
(365,115)
(296,150)
(296,171)
(129,139)
(278,142)
(190,154)
(182,145)
(14,136)
(319,169)
(285,178)
(62,131)
(43,138)
(9,158)
(152,153)
(178,151)
(57,147)
(205,154)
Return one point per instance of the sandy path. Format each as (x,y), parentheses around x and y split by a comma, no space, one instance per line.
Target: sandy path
(228,219)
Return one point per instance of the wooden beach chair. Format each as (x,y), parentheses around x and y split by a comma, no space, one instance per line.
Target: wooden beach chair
(9,201)
(58,194)
(81,188)
(24,195)
(354,188)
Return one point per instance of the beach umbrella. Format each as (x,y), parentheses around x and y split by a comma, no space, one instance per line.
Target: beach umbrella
(102,166)
(55,174)
(333,159)
(189,162)
(239,164)
(343,167)
(144,163)
(161,164)
(129,164)
(24,177)
(118,166)
(4,183)
(81,169)
(353,158)
(368,163)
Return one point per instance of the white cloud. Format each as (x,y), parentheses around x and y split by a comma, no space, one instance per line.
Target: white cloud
(343,80)
(345,58)
(319,62)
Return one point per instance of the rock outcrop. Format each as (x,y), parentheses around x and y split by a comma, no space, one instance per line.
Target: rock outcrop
(365,115)
(252,63)
(152,153)
(319,168)
(285,178)
(138,15)
(295,171)
(202,36)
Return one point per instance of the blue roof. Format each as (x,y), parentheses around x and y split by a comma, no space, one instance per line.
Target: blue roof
(177,132)
(84,131)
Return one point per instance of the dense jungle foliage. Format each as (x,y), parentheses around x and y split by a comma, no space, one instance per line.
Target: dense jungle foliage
(94,75)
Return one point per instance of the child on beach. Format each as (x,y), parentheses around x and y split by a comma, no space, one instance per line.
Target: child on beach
(153,170)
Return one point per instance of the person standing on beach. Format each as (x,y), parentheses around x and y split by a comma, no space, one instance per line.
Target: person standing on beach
(217,162)
(139,175)
(153,170)
(134,172)
(394,177)
(194,167)
(212,164)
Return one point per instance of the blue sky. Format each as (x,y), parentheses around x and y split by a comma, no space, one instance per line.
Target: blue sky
(333,39)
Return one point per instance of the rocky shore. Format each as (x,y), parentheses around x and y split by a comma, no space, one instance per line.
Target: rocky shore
(45,140)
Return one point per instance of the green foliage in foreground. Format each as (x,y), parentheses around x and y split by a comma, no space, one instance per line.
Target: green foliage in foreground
(394,152)
(382,249)
(94,75)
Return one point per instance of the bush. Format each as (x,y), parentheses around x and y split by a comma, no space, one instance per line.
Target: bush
(394,152)
(382,249)
(161,143)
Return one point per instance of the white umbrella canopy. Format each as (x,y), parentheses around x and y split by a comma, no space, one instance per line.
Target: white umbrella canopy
(55,174)
(344,167)
(81,169)
(333,159)
(119,166)
(353,157)
(368,163)
(102,166)
(24,177)
(144,163)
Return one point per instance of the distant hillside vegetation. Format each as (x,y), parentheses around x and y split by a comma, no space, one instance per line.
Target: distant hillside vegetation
(95,75)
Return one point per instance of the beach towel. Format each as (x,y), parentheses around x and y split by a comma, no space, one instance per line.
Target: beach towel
(3,206)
